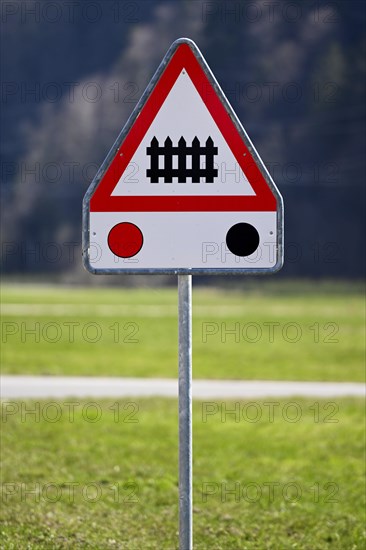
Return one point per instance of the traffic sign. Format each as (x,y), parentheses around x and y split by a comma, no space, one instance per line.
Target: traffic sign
(183,190)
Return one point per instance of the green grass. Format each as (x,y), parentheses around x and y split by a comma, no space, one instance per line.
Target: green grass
(130,469)
(280,331)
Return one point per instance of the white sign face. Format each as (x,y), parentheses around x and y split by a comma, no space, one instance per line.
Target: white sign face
(183,190)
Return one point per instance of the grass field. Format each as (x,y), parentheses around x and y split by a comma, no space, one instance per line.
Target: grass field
(275,475)
(276,331)
(84,480)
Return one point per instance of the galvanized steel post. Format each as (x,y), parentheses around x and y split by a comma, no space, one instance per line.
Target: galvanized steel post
(185,411)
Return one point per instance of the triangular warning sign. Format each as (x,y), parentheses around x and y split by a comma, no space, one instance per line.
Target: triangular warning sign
(183,150)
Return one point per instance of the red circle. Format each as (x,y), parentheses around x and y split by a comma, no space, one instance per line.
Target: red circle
(125,240)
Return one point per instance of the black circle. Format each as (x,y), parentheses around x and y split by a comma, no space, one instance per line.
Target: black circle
(242,239)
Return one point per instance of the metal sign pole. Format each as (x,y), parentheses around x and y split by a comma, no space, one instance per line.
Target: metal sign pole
(185,411)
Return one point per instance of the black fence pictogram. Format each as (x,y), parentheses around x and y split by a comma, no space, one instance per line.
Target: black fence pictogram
(182,151)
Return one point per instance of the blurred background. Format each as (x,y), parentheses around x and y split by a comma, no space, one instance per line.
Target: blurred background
(72,73)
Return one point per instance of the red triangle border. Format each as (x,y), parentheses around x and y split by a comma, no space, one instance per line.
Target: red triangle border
(263,200)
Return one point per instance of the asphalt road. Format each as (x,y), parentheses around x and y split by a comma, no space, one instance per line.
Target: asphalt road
(60,386)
